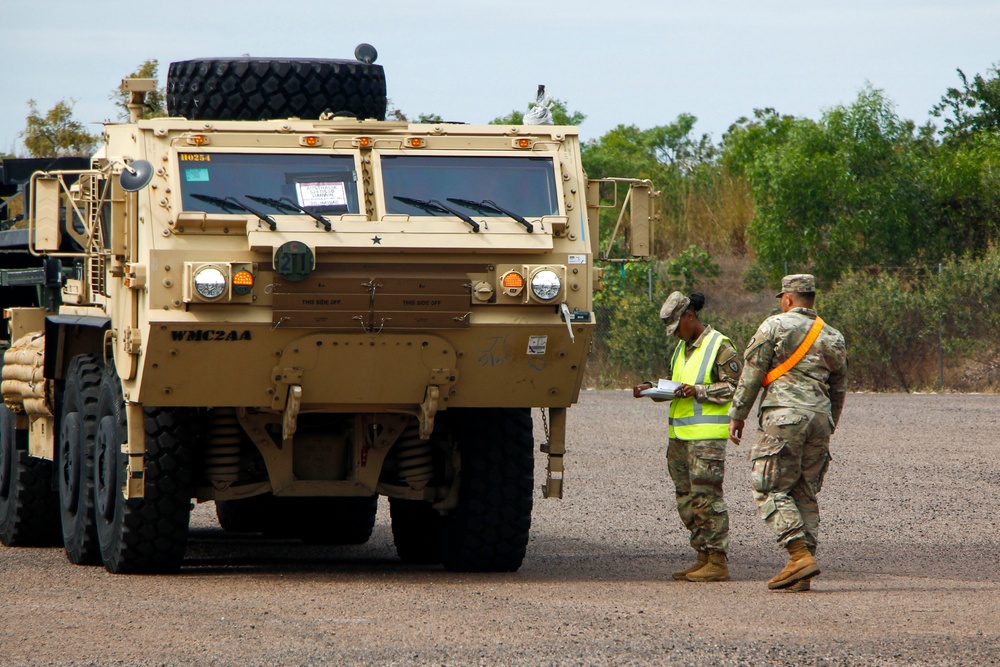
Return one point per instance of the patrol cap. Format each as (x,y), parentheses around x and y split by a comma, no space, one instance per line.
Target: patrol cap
(797,283)
(672,309)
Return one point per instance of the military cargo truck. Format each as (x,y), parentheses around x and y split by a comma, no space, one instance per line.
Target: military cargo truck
(279,301)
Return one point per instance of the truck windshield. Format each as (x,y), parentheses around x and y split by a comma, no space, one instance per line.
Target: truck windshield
(319,183)
(520,183)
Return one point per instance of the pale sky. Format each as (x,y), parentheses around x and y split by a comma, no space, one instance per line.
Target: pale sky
(642,62)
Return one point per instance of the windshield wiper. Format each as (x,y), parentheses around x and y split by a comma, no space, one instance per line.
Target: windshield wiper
(287,205)
(491,206)
(437,207)
(228,203)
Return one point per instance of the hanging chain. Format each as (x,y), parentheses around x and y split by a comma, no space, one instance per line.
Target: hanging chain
(545,425)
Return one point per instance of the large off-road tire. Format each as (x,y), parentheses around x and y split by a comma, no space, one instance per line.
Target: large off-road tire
(316,520)
(488,530)
(327,520)
(416,531)
(75,459)
(266,88)
(148,534)
(246,515)
(29,508)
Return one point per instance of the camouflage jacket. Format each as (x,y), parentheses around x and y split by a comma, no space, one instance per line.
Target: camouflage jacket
(725,373)
(817,383)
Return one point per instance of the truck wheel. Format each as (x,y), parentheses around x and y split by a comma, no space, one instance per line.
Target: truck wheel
(246,515)
(416,531)
(77,425)
(339,521)
(148,534)
(266,88)
(29,509)
(488,530)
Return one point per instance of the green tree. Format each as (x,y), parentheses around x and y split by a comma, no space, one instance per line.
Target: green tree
(842,192)
(962,182)
(156,101)
(56,133)
(972,109)
(747,138)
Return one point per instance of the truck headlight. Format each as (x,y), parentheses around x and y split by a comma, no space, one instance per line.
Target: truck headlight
(545,284)
(210,282)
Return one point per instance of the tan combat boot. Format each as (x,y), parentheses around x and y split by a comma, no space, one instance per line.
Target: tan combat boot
(716,569)
(702,559)
(802,585)
(801,565)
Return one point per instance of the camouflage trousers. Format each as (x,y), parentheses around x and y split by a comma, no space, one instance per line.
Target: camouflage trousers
(697,468)
(788,463)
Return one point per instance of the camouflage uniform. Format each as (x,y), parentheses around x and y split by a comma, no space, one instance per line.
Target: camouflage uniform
(697,467)
(798,413)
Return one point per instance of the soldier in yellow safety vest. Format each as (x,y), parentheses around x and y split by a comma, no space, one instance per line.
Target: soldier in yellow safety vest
(706,365)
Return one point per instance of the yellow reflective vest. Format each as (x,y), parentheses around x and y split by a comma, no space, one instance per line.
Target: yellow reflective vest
(689,419)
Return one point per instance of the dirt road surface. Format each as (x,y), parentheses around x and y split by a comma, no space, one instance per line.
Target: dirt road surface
(909,557)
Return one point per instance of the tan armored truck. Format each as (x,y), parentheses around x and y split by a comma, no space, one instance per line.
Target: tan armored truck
(278,301)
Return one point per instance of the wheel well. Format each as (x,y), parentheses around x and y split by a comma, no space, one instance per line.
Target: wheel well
(65,340)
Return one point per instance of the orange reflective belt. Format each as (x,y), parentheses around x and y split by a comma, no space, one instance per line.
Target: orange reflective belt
(796,357)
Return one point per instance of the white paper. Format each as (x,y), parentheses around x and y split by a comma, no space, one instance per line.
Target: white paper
(668,385)
(321,194)
(663,391)
(657,394)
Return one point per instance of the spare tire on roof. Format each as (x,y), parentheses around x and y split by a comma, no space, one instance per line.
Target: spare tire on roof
(266,88)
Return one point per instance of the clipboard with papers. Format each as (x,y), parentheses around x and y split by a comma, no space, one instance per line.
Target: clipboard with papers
(663,391)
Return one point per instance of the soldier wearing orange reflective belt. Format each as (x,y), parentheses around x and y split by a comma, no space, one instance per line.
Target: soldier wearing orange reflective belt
(708,367)
(801,364)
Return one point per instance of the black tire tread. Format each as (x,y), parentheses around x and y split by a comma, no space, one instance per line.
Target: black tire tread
(82,548)
(416,531)
(150,535)
(29,516)
(268,88)
(34,520)
(488,531)
(246,515)
(330,520)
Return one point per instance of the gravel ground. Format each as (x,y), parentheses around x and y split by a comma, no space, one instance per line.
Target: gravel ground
(909,558)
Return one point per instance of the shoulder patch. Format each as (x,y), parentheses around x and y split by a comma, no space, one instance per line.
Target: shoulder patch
(734,367)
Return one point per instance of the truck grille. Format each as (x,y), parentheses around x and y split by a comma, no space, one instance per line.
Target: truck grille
(376,298)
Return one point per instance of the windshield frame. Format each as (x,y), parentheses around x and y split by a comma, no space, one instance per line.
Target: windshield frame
(354,191)
(382,207)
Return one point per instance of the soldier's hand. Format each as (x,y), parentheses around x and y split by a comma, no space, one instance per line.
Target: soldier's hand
(736,430)
(684,391)
(638,389)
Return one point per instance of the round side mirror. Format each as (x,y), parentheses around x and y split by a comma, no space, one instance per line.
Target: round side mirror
(136,176)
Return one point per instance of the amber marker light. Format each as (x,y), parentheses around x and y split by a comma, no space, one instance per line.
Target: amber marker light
(198,140)
(364,142)
(242,282)
(513,279)
(415,142)
(512,282)
(309,141)
(524,143)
